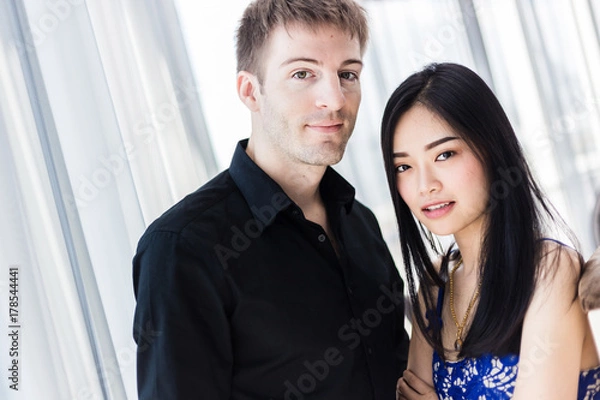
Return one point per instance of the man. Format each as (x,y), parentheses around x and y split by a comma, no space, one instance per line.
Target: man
(271,281)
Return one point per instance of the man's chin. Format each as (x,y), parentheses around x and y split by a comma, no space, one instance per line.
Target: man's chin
(330,157)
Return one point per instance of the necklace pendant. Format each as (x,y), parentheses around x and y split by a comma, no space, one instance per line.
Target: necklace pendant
(458,345)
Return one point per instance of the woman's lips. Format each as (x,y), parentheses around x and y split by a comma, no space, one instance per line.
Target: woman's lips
(438,210)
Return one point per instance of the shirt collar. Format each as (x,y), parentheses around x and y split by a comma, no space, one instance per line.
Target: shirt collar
(266,198)
(336,190)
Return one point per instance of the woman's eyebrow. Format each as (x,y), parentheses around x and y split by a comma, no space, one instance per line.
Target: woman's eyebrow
(429,146)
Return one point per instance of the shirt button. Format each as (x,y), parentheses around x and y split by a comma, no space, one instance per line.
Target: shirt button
(369,350)
(350,290)
(322,238)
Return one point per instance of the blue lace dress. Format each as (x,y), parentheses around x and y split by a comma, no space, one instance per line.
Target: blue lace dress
(492,377)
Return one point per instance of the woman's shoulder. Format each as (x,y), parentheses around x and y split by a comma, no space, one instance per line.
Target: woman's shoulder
(559,260)
(558,275)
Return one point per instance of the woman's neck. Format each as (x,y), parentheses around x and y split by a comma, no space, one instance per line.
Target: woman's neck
(470,251)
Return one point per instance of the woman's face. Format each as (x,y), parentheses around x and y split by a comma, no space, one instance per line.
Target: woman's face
(438,175)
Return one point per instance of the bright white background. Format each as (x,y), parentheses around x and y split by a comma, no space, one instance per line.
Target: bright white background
(110,112)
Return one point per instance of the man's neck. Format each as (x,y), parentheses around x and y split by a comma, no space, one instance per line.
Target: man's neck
(299,181)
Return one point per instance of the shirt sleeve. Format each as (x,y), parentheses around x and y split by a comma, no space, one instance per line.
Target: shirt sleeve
(402,338)
(181,326)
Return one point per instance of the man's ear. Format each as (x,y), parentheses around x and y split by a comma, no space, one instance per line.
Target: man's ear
(248,89)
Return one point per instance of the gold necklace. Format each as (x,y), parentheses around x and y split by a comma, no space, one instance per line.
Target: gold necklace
(460,327)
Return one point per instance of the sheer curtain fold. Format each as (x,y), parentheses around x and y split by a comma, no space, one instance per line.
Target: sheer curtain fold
(101,132)
(32,242)
(566,91)
(155,99)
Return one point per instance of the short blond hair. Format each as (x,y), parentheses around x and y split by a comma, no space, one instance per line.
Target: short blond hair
(261,17)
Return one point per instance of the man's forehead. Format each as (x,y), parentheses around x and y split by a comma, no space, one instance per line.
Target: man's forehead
(294,30)
(299,41)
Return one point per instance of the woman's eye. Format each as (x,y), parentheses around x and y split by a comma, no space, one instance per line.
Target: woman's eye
(444,156)
(401,168)
(301,75)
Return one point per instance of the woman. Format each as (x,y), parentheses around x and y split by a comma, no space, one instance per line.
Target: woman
(497,317)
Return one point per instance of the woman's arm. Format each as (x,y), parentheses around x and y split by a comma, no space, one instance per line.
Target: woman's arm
(417,381)
(420,355)
(553,331)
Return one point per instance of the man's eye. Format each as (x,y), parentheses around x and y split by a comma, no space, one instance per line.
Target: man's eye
(301,75)
(350,76)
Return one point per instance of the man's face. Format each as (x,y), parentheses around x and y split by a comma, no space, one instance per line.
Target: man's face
(309,95)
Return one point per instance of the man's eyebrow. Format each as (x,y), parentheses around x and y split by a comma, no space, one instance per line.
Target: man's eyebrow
(317,62)
(429,146)
(300,59)
(352,61)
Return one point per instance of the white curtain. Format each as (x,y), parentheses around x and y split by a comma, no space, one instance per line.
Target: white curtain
(101,130)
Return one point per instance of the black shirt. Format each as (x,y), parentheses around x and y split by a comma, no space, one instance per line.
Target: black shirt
(240,297)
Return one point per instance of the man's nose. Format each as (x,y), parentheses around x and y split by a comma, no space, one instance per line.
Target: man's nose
(330,94)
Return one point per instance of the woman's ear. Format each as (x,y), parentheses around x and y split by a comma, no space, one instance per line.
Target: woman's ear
(248,89)
(589,285)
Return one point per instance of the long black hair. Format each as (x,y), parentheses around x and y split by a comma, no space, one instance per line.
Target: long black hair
(517,212)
